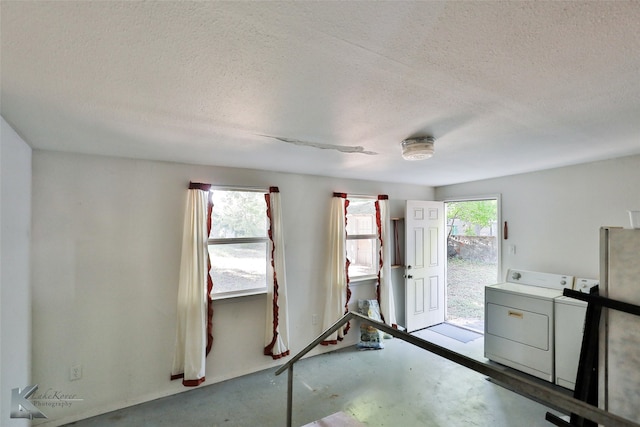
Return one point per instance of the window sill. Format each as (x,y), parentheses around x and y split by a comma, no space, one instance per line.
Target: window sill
(231,296)
(362,279)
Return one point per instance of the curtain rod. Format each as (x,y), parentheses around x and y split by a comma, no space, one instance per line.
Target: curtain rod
(240,188)
(367,196)
(362,196)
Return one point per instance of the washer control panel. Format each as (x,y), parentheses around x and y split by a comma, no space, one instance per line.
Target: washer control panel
(585,285)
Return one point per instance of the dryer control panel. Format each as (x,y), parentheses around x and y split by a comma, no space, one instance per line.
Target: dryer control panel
(542,280)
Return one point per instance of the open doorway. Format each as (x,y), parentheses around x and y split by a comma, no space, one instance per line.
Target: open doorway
(473,240)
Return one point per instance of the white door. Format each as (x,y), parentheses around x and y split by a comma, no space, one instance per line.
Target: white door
(425,264)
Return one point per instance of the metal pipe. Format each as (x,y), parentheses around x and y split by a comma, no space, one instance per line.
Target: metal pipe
(603,302)
(517,383)
(290,396)
(341,322)
(289,365)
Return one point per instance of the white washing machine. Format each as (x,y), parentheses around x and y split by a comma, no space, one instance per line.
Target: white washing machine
(519,321)
(569,328)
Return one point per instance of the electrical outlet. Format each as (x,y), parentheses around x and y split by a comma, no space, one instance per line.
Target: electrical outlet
(314,319)
(75,372)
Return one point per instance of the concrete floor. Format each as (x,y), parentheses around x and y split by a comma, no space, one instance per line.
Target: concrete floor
(399,386)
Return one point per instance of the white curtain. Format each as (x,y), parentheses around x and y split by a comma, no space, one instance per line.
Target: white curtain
(336,279)
(277,325)
(385,285)
(193,298)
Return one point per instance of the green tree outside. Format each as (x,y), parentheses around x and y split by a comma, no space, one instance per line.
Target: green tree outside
(238,214)
(476,212)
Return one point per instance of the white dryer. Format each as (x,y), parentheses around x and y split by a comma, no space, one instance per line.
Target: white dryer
(569,328)
(519,321)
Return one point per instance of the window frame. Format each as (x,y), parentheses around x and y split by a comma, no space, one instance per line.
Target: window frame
(374,236)
(216,296)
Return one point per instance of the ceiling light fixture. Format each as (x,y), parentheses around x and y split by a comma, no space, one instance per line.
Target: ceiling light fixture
(418,148)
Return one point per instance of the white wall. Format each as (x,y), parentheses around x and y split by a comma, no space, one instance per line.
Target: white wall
(15,296)
(106,253)
(106,249)
(554,216)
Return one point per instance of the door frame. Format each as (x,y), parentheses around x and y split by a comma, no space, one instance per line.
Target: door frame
(498,198)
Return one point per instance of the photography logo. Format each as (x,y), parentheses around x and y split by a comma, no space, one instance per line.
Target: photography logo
(22,407)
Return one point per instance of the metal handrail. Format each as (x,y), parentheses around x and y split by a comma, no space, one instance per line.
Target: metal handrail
(517,383)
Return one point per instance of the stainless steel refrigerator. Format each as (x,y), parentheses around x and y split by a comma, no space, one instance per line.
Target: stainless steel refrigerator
(619,353)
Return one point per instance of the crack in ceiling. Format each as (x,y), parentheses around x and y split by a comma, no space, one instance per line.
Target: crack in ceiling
(342,148)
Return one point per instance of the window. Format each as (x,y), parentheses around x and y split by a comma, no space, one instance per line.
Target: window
(238,242)
(362,239)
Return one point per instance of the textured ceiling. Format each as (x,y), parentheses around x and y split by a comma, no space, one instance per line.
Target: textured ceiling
(328,88)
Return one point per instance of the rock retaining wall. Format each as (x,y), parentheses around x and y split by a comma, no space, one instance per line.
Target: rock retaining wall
(473,248)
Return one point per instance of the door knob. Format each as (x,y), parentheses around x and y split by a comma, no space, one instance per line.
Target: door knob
(409,277)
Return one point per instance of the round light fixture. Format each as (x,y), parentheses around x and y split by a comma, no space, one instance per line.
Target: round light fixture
(418,148)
